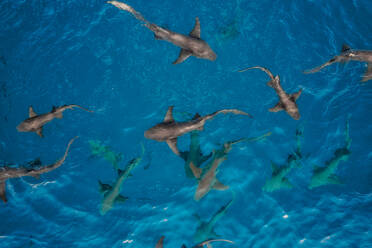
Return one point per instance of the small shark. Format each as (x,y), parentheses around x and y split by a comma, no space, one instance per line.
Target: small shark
(194,155)
(111,194)
(169,130)
(206,176)
(202,244)
(205,230)
(287,102)
(36,122)
(278,178)
(347,54)
(191,45)
(99,149)
(326,175)
(9,172)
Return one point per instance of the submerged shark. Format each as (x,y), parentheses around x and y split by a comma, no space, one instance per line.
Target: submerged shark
(206,176)
(99,149)
(347,54)
(194,155)
(111,194)
(191,45)
(169,130)
(36,122)
(326,175)
(205,230)
(202,244)
(278,178)
(9,172)
(287,102)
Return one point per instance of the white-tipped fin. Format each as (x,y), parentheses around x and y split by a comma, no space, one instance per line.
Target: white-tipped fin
(184,54)
(2,191)
(195,33)
(172,143)
(169,115)
(31,112)
(277,108)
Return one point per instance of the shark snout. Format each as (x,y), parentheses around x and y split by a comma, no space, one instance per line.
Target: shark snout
(22,127)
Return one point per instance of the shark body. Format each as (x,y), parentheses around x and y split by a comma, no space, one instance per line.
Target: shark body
(11,172)
(111,194)
(326,175)
(205,230)
(206,176)
(36,122)
(348,54)
(287,102)
(169,130)
(191,45)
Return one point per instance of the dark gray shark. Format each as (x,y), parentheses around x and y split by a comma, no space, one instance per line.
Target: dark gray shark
(191,45)
(205,230)
(36,122)
(11,172)
(169,130)
(347,54)
(287,102)
(202,244)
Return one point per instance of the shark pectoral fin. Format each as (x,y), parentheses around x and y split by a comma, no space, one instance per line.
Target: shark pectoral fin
(333,179)
(172,143)
(195,33)
(160,243)
(296,95)
(59,115)
(120,199)
(345,48)
(31,112)
(2,191)
(40,132)
(184,54)
(169,115)
(195,170)
(286,183)
(104,187)
(368,74)
(277,108)
(219,186)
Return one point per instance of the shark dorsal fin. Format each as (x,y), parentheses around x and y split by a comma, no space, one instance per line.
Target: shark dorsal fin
(172,143)
(195,33)
(219,186)
(184,54)
(296,95)
(40,132)
(345,48)
(160,243)
(196,116)
(54,108)
(2,191)
(169,115)
(31,112)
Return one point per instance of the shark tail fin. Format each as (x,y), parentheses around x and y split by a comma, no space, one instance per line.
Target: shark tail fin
(128,8)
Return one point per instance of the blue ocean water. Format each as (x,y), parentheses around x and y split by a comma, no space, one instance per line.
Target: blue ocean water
(92,54)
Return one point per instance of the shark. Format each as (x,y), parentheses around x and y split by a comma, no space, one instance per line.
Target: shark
(191,45)
(12,172)
(205,230)
(206,176)
(326,175)
(194,154)
(99,149)
(36,122)
(278,178)
(169,130)
(287,101)
(111,193)
(160,243)
(348,54)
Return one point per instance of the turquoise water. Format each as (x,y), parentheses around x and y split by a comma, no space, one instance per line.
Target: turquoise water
(92,54)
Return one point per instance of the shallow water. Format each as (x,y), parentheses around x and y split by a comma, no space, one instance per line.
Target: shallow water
(90,53)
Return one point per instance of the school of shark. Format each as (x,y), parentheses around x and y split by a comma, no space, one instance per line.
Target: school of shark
(202,168)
